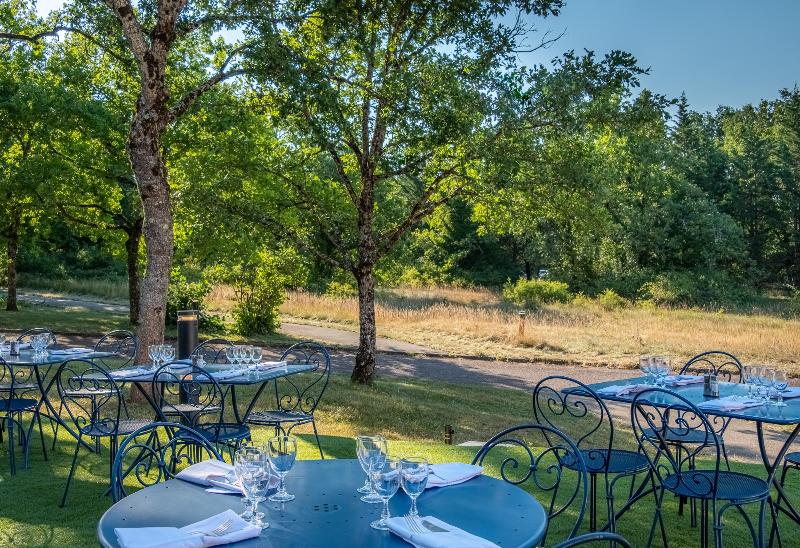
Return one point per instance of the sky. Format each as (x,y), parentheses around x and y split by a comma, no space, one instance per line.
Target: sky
(719,52)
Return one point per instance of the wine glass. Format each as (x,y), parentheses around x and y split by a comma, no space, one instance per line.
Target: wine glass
(282,453)
(758,379)
(768,380)
(168,353)
(644,365)
(258,352)
(372,450)
(780,382)
(230,354)
(2,339)
(153,353)
(747,378)
(414,477)
(252,468)
(385,482)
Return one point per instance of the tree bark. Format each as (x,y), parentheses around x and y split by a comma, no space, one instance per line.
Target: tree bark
(364,370)
(132,250)
(13,246)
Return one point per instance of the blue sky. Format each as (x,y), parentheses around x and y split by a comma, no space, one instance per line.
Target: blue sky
(720,52)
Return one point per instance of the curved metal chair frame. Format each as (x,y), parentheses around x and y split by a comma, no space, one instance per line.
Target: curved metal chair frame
(658,418)
(12,408)
(27,334)
(148,458)
(521,462)
(93,403)
(612,539)
(295,402)
(580,412)
(123,344)
(213,350)
(192,396)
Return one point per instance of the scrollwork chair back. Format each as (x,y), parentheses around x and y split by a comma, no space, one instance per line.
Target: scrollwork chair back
(122,344)
(90,397)
(189,393)
(302,392)
(723,364)
(213,350)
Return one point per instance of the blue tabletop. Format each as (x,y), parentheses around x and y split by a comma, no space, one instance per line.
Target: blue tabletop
(246,378)
(790,414)
(28,358)
(328,512)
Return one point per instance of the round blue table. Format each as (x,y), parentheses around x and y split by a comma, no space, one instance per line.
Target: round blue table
(327,510)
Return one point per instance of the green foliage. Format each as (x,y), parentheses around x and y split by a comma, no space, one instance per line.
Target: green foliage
(611,300)
(341,290)
(259,294)
(794,304)
(692,289)
(534,293)
(185,295)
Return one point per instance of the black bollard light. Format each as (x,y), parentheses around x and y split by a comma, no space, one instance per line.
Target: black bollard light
(187,333)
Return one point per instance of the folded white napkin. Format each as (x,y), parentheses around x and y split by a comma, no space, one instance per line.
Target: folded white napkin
(623,389)
(791,392)
(227,374)
(451,473)
(132,372)
(70,351)
(265,366)
(730,403)
(683,380)
(438,534)
(204,471)
(190,536)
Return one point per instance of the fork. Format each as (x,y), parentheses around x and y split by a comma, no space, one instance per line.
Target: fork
(217,531)
(414,526)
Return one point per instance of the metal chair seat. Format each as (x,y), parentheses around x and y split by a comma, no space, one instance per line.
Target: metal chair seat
(793,458)
(223,432)
(188,409)
(15,405)
(87,392)
(271,418)
(620,461)
(691,437)
(731,486)
(19,387)
(124,427)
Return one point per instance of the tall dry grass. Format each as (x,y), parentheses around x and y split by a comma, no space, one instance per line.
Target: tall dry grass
(476,322)
(109,289)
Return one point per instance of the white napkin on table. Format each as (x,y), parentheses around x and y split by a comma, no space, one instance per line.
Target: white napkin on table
(730,403)
(71,351)
(211,473)
(791,392)
(623,389)
(227,374)
(125,373)
(452,473)
(683,380)
(265,366)
(173,537)
(449,537)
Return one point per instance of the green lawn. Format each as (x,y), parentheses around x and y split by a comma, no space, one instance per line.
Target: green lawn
(410,413)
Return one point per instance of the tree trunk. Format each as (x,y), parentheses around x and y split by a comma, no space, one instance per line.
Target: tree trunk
(364,370)
(13,246)
(144,147)
(132,251)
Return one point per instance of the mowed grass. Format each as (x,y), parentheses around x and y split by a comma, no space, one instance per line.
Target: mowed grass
(476,322)
(410,413)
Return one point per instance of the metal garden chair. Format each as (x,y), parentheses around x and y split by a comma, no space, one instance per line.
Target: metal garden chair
(12,408)
(596,539)
(578,411)
(297,396)
(659,417)
(190,395)
(213,350)
(155,453)
(26,336)
(93,402)
(534,455)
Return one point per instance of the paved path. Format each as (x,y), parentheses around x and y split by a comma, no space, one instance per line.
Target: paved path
(397,359)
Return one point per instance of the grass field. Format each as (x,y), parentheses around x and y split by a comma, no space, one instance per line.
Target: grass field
(410,413)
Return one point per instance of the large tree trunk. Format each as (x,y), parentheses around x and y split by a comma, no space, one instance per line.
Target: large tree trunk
(132,250)
(144,147)
(13,246)
(364,370)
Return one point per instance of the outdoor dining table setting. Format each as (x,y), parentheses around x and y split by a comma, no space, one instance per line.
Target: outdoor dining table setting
(267,498)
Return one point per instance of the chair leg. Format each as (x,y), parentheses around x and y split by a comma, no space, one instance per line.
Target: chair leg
(656,518)
(725,455)
(11,456)
(71,472)
(41,434)
(592,502)
(57,424)
(316,435)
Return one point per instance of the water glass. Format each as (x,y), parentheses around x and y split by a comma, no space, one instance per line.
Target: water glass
(385,482)
(371,451)
(758,379)
(153,353)
(167,353)
(414,477)
(282,454)
(258,352)
(662,367)
(252,468)
(780,382)
(645,366)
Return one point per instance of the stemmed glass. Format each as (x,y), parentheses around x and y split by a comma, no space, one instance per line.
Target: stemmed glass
(780,382)
(154,353)
(282,453)
(758,379)
(253,471)
(167,353)
(767,377)
(747,377)
(662,367)
(2,339)
(230,354)
(371,451)
(414,477)
(385,481)
(257,353)
(645,366)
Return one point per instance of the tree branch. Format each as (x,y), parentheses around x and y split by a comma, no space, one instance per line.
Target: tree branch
(53,33)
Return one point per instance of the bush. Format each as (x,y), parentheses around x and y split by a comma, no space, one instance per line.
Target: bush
(582,300)
(693,289)
(341,290)
(794,304)
(534,293)
(257,301)
(611,300)
(185,295)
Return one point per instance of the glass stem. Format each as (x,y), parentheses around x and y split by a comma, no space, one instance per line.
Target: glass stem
(385,514)
(282,488)
(254,507)
(413,510)
(367,483)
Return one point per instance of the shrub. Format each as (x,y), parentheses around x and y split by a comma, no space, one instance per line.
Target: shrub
(611,300)
(185,295)
(257,301)
(534,293)
(341,290)
(582,300)
(693,289)
(794,304)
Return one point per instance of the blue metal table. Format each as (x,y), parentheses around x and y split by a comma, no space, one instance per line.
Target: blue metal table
(780,416)
(327,511)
